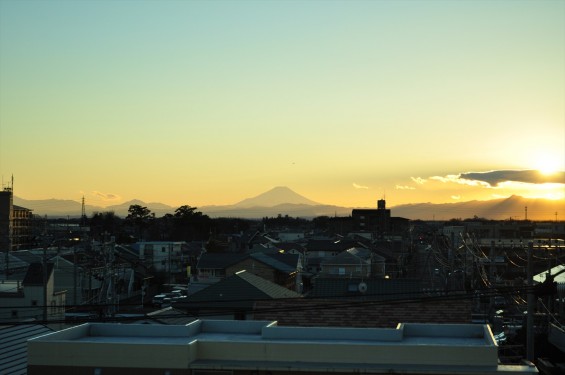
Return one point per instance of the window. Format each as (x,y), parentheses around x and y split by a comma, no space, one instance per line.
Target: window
(34,302)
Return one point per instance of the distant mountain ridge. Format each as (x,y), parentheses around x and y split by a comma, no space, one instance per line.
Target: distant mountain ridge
(284,201)
(274,197)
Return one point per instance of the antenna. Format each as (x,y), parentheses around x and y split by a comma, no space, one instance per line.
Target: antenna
(83,213)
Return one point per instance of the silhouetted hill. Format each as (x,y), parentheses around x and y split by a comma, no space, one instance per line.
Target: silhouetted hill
(496,209)
(272,203)
(274,197)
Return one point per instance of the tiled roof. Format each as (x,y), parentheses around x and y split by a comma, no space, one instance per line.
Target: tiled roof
(376,289)
(287,246)
(354,313)
(13,346)
(281,262)
(353,256)
(329,245)
(27,256)
(219,260)
(237,291)
(13,262)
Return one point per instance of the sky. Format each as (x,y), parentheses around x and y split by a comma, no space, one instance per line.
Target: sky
(344,102)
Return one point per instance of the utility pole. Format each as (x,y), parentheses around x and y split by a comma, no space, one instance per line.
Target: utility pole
(44,269)
(75,276)
(492,279)
(170,249)
(530,310)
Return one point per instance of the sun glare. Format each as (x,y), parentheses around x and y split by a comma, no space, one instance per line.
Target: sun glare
(547,164)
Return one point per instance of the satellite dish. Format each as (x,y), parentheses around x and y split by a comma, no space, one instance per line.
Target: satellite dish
(362,287)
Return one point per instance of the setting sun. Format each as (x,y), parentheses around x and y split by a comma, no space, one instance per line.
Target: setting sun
(546,163)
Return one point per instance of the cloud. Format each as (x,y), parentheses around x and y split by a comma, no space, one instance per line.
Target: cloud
(418,180)
(359,186)
(106,197)
(404,187)
(494,178)
(456,197)
(456,179)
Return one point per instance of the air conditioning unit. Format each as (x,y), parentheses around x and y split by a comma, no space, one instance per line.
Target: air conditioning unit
(362,287)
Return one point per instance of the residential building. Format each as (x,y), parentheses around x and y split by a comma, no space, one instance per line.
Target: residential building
(376,221)
(33,298)
(263,347)
(15,223)
(213,267)
(233,297)
(282,269)
(165,257)
(355,262)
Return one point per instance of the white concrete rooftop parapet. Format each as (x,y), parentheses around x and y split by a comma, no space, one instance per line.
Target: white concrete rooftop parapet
(232,344)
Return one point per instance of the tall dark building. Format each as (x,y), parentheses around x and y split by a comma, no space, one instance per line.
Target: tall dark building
(6,219)
(15,223)
(373,220)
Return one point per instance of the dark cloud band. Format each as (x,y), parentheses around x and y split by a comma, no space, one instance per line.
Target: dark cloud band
(527,176)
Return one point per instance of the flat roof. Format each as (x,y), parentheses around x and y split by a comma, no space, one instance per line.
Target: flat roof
(219,344)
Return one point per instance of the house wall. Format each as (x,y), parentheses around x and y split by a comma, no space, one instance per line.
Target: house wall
(164,256)
(28,303)
(65,281)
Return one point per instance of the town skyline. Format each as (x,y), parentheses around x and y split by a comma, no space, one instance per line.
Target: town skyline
(345,102)
(283,201)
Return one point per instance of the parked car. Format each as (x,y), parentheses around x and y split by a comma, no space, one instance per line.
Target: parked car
(159,300)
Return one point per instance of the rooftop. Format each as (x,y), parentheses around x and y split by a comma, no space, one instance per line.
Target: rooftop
(264,346)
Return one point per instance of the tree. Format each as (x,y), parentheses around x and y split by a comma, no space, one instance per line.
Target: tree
(187,212)
(140,217)
(189,224)
(105,222)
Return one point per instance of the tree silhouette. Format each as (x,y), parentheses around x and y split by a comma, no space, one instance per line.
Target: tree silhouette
(140,217)
(189,224)
(105,222)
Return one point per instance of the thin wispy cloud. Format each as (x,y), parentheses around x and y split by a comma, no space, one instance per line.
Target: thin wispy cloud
(356,186)
(456,179)
(106,197)
(418,180)
(404,187)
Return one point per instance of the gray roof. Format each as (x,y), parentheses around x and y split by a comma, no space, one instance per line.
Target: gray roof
(281,262)
(354,256)
(376,289)
(168,315)
(219,260)
(27,256)
(560,279)
(13,346)
(239,291)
